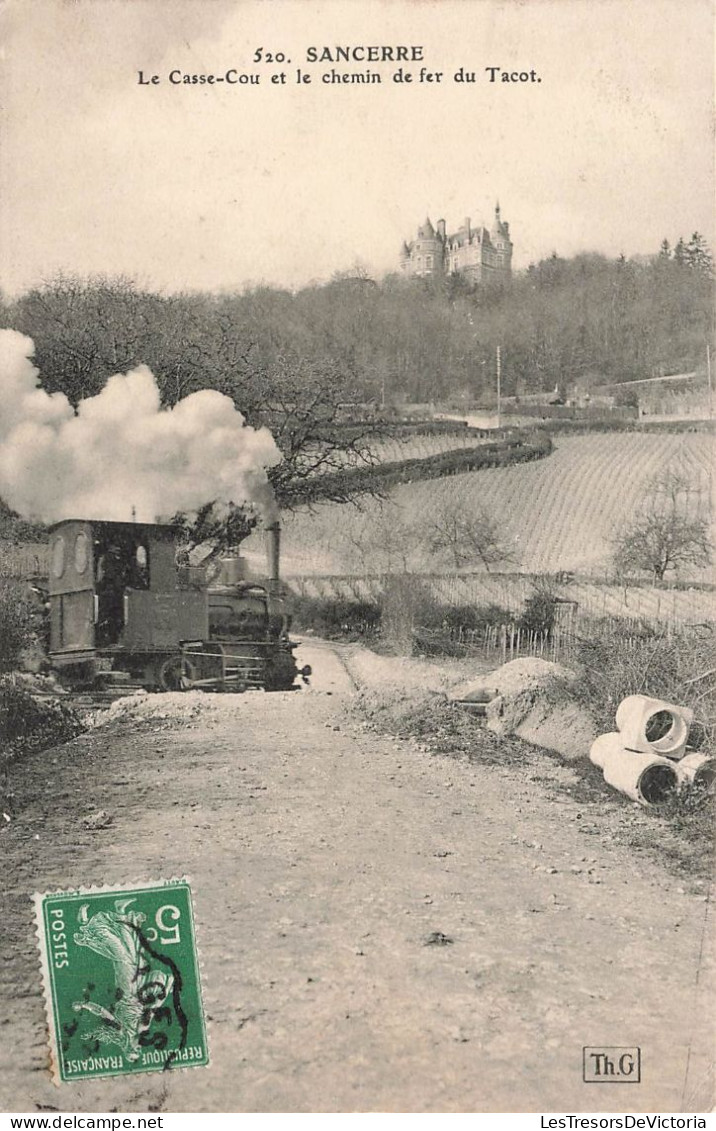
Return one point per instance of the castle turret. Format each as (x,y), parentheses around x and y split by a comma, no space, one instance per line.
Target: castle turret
(426,251)
(480,254)
(502,245)
(500,227)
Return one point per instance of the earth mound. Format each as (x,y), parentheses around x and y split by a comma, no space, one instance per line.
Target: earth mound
(536,700)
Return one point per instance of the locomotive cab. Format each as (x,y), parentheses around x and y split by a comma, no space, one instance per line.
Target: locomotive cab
(116,598)
(121,599)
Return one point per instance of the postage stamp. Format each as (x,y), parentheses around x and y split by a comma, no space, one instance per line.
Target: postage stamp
(121,979)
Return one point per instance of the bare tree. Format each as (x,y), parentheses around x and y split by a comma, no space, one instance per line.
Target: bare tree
(386,542)
(663,537)
(85,330)
(466,537)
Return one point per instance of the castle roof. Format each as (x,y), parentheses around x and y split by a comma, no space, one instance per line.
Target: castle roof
(461,237)
(426,231)
(500,227)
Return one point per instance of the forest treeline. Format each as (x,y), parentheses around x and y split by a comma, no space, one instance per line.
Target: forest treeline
(588,319)
(294,360)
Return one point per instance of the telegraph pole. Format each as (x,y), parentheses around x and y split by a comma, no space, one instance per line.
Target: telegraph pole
(499,379)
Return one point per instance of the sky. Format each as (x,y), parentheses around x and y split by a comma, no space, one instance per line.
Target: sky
(231,185)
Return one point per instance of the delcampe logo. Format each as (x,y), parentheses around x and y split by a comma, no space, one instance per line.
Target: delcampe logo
(607,1064)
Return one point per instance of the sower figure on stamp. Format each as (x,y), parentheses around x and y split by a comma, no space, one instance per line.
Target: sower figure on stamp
(141,987)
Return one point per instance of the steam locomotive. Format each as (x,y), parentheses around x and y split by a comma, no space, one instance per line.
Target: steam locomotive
(122,600)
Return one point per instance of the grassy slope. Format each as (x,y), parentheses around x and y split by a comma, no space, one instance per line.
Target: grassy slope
(559,511)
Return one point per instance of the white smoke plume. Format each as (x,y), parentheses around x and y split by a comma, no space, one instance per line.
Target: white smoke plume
(121,450)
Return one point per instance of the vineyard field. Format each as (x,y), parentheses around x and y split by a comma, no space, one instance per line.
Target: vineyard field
(396,448)
(392,449)
(558,513)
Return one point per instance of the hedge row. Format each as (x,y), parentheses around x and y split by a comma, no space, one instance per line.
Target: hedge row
(355,480)
(403,426)
(565,427)
(595,414)
(434,626)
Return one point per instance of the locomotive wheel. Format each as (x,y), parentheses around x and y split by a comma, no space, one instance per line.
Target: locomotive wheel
(171,672)
(281,673)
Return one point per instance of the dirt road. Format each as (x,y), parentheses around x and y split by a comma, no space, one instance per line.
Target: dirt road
(380,929)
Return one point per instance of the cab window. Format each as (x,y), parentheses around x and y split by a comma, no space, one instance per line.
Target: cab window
(58,557)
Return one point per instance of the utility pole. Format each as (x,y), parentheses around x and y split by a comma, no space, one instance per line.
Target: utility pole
(499,379)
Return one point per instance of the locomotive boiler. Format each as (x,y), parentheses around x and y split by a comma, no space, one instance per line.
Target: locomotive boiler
(124,599)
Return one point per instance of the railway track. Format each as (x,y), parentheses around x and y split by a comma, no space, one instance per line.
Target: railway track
(89,700)
(324,654)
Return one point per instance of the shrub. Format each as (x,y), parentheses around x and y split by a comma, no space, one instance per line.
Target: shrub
(405,602)
(458,630)
(13,528)
(678,668)
(28,723)
(473,618)
(405,615)
(339,619)
(21,623)
(540,609)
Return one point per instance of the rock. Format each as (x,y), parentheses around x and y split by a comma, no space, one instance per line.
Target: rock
(99,820)
(438,938)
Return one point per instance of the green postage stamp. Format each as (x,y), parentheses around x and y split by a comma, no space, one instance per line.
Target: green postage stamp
(121,979)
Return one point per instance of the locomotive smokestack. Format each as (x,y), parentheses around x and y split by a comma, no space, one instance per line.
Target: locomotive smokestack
(273,550)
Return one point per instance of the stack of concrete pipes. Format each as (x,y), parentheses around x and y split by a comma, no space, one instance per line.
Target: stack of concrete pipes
(646,758)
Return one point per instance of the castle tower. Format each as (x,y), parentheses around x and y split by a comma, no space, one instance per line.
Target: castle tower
(502,244)
(425,253)
(477,253)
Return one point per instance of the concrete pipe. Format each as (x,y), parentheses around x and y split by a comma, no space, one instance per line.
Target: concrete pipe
(604,746)
(697,771)
(645,778)
(653,726)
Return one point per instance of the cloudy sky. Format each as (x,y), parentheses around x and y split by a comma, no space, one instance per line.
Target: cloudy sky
(185,186)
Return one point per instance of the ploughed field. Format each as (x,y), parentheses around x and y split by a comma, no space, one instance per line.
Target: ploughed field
(558,513)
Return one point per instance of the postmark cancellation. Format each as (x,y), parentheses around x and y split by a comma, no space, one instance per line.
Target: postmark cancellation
(121,980)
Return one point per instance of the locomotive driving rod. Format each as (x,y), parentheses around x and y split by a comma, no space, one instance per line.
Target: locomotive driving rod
(188,684)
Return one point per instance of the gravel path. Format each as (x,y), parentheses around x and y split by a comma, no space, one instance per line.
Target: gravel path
(380,930)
